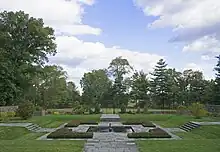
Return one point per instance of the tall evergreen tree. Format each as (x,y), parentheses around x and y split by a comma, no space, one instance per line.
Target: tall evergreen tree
(217,82)
(140,89)
(160,85)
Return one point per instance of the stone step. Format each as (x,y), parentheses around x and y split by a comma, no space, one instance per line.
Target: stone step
(185,128)
(33,127)
(189,126)
(194,124)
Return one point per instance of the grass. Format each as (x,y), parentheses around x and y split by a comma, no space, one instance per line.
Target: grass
(27,142)
(165,120)
(203,139)
(9,133)
(52,121)
(203,132)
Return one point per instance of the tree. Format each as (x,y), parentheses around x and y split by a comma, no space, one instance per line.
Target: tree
(94,85)
(25,44)
(140,89)
(174,80)
(117,69)
(53,87)
(160,85)
(194,86)
(73,93)
(217,82)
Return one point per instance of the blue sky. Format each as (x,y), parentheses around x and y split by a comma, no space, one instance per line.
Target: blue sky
(127,27)
(90,33)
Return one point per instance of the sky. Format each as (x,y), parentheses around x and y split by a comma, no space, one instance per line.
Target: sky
(90,33)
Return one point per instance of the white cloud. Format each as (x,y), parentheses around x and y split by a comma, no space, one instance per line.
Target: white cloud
(95,56)
(63,15)
(205,57)
(193,66)
(203,67)
(182,13)
(206,43)
(194,22)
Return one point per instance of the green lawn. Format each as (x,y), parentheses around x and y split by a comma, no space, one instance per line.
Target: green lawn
(206,138)
(165,120)
(52,121)
(15,139)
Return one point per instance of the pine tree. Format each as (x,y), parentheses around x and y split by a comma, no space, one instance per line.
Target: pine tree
(160,84)
(217,82)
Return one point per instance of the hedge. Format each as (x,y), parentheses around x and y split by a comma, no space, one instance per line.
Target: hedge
(153,133)
(68,133)
(77,123)
(145,123)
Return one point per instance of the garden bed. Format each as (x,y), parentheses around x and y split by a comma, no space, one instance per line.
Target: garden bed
(77,123)
(144,124)
(153,133)
(68,133)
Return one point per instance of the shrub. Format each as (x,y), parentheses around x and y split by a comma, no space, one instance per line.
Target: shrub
(123,108)
(78,108)
(3,116)
(56,113)
(138,110)
(68,133)
(88,123)
(11,114)
(144,124)
(153,133)
(181,110)
(198,110)
(145,111)
(25,110)
(77,123)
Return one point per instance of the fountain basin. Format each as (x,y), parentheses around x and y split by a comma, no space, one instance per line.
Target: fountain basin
(118,129)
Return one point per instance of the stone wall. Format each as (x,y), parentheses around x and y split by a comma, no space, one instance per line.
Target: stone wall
(213,108)
(8,108)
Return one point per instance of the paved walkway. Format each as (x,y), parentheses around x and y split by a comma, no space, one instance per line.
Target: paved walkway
(110,141)
(207,123)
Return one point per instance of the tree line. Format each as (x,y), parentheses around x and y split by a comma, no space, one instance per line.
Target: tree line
(24,75)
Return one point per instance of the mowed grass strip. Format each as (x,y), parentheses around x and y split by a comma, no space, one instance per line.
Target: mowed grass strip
(165,120)
(9,133)
(53,121)
(203,139)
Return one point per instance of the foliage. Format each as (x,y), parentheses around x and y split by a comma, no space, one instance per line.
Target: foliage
(78,108)
(139,122)
(75,123)
(217,83)
(160,87)
(94,85)
(25,109)
(3,116)
(145,110)
(117,69)
(123,108)
(198,110)
(182,110)
(140,89)
(153,133)
(68,133)
(23,53)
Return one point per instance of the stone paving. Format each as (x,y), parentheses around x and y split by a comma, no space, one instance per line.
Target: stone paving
(207,123)
(110,141)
